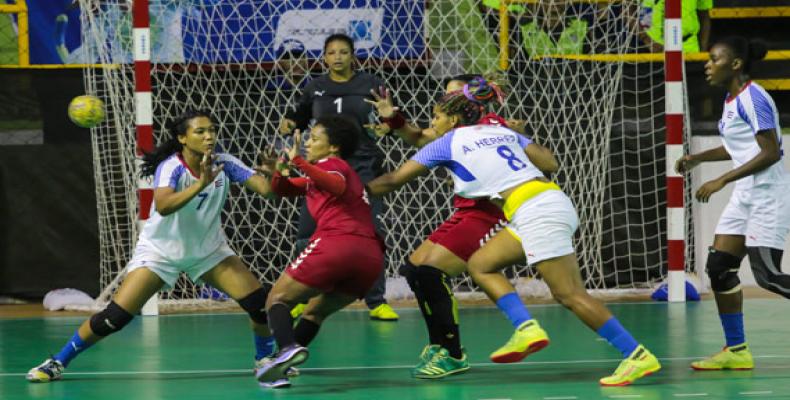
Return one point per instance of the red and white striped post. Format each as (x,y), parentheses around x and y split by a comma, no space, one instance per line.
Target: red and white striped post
(143,113)
(673,82)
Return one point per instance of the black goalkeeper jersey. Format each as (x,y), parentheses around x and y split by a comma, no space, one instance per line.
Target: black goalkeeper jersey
(323,96)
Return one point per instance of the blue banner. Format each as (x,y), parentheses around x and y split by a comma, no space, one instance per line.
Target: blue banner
(230,31)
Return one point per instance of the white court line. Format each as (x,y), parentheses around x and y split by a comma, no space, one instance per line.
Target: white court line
(690,394)
(351,310)
(366,367)
(756,393)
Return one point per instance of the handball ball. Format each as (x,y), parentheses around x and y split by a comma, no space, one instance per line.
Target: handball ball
(86,111)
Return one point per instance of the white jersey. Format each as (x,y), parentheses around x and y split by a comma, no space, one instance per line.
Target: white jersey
(194,231)
(483,160)
(748,113)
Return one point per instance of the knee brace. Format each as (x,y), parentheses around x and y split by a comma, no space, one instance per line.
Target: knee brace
(255,305)
(722,268)
(766,263)
(110,320)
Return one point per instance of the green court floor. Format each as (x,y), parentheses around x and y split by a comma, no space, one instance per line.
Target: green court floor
(210,357)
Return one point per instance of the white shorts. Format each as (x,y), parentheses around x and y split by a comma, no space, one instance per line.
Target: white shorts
(146,256)
(545,224)
(761,213)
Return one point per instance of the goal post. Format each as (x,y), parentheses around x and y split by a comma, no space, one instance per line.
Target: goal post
(587,90)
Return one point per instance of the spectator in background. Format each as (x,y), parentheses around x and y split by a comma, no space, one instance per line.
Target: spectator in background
(553,30)
(293,65)
(543,28)
(695,20)
(458,39)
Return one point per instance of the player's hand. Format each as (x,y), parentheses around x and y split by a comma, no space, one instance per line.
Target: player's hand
(208,170)
(382,102)
(518,125)
(430,133)
(708,189)
(293,152)
(286,126)
(267,161)
(685,164)
(380,130)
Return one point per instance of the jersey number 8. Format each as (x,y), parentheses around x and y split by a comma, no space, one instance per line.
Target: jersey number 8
(512,161)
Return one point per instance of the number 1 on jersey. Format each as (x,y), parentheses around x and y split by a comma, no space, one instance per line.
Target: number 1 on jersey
(339,102)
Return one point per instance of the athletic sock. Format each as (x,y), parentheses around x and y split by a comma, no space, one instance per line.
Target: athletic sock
(409,271)
(733,328)
(305,331)
(264,346)
(617,336)
(74,346)
(281,325)
(441,303)
(514,309)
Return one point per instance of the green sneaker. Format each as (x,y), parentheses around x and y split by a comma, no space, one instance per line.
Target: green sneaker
(640,363)
(442,365)
(383,312)
(736,357)
(425,357)
(528,338)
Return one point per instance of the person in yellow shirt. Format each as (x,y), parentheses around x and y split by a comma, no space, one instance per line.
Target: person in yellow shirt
(544,28)
(552,31)
(458,39)
(695,18)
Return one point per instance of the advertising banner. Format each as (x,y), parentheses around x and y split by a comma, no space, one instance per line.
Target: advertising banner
(226,31)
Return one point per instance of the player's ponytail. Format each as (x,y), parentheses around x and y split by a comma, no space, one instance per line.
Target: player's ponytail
(747,50)
(176,127)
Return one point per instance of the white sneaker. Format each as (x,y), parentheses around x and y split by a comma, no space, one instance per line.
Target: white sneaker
(278,384)
(50,370)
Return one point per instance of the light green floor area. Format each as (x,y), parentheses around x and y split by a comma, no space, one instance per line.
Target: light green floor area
(210,357)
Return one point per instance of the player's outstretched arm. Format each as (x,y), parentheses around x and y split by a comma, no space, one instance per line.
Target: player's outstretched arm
(394,180)
(391,115)
(259,184)
(168,201)
(542,157)
(267,165)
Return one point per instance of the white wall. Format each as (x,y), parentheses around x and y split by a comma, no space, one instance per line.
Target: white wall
(706,215)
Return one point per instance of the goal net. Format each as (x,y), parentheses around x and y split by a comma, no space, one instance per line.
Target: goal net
(576,75)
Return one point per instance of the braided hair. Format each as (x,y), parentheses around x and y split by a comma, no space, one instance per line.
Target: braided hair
(472,102)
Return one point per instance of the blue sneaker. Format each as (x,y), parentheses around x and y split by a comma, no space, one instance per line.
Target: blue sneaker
(276,368)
